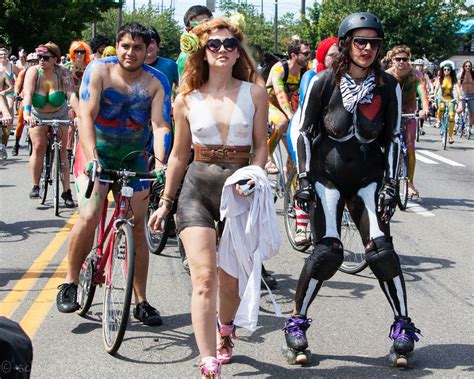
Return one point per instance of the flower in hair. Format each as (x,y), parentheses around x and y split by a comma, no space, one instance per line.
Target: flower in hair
(237,19)
(189,43)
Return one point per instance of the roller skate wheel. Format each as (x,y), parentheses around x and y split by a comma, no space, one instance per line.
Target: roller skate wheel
(291,356)
(399,360)
(303,357)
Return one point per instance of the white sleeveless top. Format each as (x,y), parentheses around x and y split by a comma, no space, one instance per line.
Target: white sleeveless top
(203,126)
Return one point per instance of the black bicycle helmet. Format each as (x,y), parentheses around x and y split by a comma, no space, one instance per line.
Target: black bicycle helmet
(357,21)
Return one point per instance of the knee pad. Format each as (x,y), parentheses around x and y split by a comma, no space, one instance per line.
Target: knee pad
(325,259)
(382,259)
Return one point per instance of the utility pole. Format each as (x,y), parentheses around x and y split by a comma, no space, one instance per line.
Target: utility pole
(276,27)
(134,5)
(261,8)
(119,18)
(303,8)
(211,5)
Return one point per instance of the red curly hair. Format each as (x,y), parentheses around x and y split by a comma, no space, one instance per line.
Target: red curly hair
(76,45)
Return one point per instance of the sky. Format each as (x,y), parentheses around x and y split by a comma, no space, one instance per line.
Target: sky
(181,6)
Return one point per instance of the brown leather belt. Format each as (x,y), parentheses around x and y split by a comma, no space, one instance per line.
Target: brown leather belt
(222,153)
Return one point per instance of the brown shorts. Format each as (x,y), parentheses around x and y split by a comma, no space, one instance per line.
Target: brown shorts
(200,198)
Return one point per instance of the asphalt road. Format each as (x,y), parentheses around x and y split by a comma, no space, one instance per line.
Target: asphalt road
(351,318)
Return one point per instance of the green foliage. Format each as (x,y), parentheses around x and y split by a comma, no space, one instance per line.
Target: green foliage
(28,23)
(427,26)
(164,23)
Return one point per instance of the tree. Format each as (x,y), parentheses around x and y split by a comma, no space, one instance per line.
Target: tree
(163,22)
(28,23)
(427,27)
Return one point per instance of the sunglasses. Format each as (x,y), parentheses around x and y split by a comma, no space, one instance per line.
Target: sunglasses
(306,53)
(362,42)
(80,51)
(401,59)
(44,57)
(447,69)
(230,44)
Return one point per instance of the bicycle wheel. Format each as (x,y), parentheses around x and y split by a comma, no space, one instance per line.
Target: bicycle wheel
(354,252)
(418,130)
(56,170)
(118,289)
(444,132)
(402,182)
(156,241)
(86,287)
(182,254)
(45,172)
(289,212)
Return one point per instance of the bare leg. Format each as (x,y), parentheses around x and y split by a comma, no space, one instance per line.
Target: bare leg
(200,245)
(39,143)
(229,299)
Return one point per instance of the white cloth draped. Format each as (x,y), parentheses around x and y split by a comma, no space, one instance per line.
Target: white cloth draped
(251,235)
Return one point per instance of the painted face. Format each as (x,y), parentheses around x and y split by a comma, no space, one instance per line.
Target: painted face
(222,49)
(151,52)
(364,47)
(131,53)
(332,52)
(401,61)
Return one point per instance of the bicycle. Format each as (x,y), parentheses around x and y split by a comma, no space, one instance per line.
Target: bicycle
(72,156)
(402,175)
(111,261)
(51,171)
(156,241)
(463,123)
(444,127)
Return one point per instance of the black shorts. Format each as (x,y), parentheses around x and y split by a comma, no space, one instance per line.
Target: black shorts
(200,198)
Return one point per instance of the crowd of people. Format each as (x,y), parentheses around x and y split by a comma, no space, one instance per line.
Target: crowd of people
(342,117)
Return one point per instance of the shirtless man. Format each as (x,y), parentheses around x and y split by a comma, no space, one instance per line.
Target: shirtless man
(118,97)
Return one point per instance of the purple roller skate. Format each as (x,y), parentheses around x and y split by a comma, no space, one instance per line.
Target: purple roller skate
(296,345)
(404,334)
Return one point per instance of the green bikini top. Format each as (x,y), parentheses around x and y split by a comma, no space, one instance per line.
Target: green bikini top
(55,99)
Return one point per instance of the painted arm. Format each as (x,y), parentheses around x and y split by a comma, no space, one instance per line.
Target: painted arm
(68,83)
(308,124)
(89,105)
(260,100)
(162,136)
(277,73)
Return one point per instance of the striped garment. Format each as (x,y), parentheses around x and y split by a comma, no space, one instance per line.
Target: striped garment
(353,93)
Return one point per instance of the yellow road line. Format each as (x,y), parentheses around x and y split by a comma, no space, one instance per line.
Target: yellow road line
(9,304)
(43,302)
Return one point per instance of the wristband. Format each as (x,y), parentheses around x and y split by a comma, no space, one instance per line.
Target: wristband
(26,108)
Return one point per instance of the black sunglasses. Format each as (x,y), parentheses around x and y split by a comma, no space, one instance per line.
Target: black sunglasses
(44,57)
(401,59)
(362,42)
(80,51)
(230,44)
(306,53)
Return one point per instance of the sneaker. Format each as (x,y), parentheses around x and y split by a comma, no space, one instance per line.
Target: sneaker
(35,192)
(66,301)
(451,141)
(301,237)
(67,197)
(270,280)
(422,132)
(15,149)
(145,313)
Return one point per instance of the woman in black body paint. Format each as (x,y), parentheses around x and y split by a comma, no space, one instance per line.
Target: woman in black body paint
(347,154)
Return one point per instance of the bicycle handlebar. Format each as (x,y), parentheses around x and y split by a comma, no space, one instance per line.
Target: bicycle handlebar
(52,122)
(114,174)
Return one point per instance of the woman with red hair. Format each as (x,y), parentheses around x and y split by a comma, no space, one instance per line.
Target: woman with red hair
(80,54)
(325,52)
